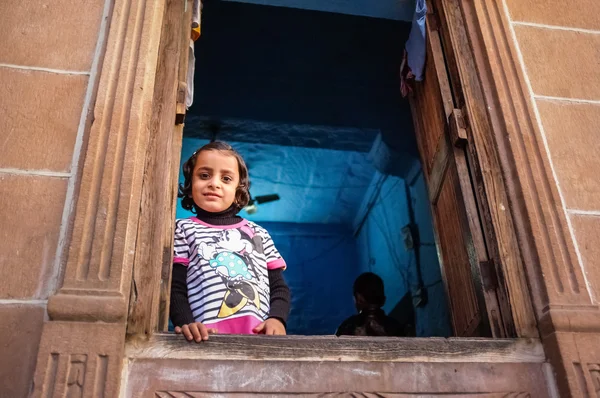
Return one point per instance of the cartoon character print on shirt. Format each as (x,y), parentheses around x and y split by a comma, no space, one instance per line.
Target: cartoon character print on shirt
(229,256)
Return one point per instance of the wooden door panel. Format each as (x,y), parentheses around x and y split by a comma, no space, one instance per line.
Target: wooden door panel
(442,140)
(456,254)
(432,127)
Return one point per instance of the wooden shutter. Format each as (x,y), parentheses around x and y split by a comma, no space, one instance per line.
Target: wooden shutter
(442,136)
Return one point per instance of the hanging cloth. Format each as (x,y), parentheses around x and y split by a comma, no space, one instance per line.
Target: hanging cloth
(413,60)
(195,34)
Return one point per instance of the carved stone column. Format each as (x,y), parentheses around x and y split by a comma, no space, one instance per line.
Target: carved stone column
(82,345)
(568,317)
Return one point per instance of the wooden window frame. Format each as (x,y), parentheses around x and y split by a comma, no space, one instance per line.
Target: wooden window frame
(151,276)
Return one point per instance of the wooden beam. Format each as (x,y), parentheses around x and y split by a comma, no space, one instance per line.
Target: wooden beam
(154,212)
(458,130)
(480,269)
(173,167)
(438,168)
(439,64)
(338,349)
(486,172)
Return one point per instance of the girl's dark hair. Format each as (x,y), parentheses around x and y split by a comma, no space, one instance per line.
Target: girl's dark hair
(370,287)
(242,194)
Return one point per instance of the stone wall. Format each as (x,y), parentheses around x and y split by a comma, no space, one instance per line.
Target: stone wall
(544,60)
(49,53)
(558,46)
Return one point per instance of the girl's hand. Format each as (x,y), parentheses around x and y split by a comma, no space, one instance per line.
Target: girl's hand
(196,331)
(270,327)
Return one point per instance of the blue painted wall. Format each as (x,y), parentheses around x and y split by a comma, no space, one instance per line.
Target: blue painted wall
(382,251)
(322,266)
(379,240)
(316,185)
(434,318)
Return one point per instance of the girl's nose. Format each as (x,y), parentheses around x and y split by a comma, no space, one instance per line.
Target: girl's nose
(215,182)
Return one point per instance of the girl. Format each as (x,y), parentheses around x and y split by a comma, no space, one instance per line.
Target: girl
(227,273)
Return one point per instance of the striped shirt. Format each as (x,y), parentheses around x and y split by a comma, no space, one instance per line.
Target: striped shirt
(227,277)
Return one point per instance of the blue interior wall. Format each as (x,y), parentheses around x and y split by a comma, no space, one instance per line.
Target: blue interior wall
(379,244)
(381,250)
(434,318)
(315,185)
(322,266)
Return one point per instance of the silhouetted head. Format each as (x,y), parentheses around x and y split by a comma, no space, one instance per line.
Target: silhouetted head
(368,291)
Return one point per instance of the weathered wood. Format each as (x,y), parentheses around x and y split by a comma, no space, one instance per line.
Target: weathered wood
(440,67)
(458,131)
(453,51)
(491,192)
(450,54)
(438,168)
(173,178)
(433,108)
(568,323)
(181,110)
(331,348)
(481,259)
(186,36)
(154,214)
(429,125)
(456,253)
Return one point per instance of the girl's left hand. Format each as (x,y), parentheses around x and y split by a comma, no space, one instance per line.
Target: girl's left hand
(270,327)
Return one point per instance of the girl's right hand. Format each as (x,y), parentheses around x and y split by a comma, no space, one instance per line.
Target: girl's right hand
(196,331)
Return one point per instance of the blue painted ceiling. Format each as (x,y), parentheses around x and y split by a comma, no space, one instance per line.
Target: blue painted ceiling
(388,9)
(277,64)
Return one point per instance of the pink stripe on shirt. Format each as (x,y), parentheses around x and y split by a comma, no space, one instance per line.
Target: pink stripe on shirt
(241,325)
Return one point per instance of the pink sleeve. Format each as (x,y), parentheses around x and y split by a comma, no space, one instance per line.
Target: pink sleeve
(276,264)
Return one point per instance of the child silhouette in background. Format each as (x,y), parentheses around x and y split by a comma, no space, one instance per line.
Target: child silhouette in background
(371,320)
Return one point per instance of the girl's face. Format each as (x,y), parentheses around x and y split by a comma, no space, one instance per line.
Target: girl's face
(215,180)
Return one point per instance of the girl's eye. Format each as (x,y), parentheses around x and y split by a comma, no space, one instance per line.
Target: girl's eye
(204,176)
(227,179)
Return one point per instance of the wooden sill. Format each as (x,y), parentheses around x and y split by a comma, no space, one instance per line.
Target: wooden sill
(340,349)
